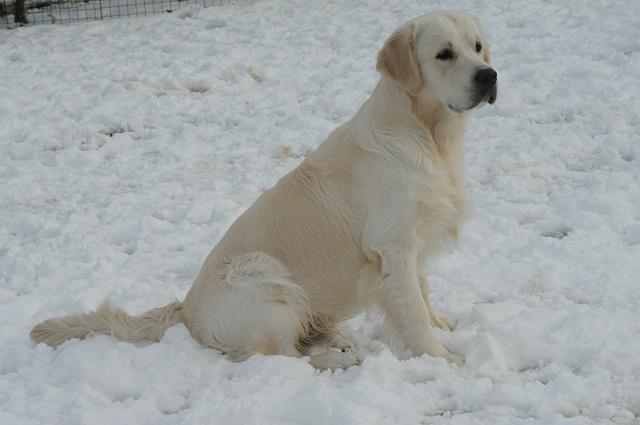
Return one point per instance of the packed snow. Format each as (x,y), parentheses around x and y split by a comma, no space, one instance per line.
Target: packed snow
(128,147)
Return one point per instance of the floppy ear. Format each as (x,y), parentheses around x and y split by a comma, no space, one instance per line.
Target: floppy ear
(397,59)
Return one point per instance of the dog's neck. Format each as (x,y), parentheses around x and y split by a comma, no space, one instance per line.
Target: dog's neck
(391,110)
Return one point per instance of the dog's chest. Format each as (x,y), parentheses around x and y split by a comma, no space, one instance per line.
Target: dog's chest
(441,204)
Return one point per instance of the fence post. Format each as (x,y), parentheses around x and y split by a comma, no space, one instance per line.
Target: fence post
(19,14)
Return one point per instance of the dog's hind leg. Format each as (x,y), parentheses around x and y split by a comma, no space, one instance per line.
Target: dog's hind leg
(326,346)
(252,305)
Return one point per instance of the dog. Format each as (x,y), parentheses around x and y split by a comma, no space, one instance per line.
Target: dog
(351,227)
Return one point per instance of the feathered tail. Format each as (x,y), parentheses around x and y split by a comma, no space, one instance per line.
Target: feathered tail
(108,320)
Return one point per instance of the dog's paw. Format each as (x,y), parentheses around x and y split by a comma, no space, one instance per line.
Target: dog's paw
(455,358)
(339,342)
(443,322)
(332,359)
(439,350)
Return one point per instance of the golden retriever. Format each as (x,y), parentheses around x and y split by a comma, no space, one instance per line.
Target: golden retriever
(349,228)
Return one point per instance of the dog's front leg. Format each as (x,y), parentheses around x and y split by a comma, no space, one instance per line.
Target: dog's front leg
(439,320)
(404,307)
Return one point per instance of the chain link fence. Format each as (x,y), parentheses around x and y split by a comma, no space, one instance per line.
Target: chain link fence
(20,12)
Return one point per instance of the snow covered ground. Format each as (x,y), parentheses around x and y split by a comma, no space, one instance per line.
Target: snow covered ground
(128,147)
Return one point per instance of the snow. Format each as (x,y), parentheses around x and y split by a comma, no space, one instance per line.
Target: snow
(128,147)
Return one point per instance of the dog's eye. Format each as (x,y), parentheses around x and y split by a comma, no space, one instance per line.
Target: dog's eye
(445,55)
(478,46)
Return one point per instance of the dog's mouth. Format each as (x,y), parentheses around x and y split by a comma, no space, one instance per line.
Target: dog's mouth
(489,97)
(457,110)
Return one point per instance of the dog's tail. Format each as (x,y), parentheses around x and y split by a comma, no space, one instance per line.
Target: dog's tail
(108,320)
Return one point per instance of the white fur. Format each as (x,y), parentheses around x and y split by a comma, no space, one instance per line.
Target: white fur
(352,226)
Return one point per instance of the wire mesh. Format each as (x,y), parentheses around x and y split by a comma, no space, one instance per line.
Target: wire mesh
(20,12)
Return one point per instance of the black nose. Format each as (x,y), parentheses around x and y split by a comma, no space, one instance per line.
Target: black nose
(486,77)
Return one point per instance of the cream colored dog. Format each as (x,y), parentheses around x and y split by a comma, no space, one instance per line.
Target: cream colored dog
(351,227)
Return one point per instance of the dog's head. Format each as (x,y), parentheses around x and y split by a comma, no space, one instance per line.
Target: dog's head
(442,57)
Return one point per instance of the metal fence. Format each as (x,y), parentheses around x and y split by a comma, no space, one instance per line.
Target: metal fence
(21,12)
